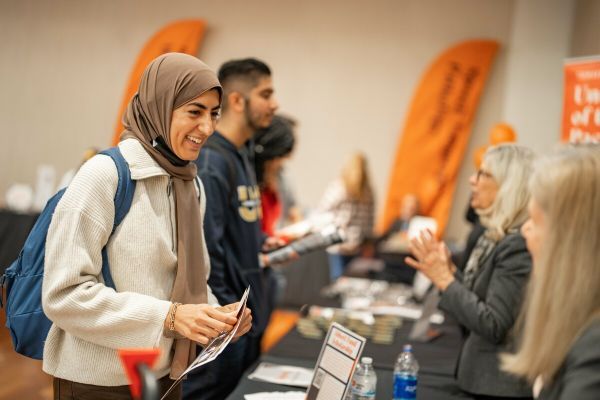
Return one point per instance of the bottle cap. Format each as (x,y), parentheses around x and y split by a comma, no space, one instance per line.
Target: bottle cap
(366,360)
(407,348)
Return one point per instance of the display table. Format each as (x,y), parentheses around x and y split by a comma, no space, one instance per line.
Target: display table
(436,357)
(437,362)
(14,229)
(430,386)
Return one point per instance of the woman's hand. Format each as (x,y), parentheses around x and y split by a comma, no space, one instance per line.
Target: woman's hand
(432,258)
(201,322)
(246,323)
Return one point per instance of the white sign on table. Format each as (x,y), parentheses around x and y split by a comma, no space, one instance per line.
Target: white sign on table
(333,373)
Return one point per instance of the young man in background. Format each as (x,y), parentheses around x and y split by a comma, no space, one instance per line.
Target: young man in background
(232,222)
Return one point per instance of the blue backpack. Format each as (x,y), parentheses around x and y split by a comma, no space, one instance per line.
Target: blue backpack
(25,317)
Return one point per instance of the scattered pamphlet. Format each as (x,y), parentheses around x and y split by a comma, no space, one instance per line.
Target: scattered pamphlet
(282,374)
(333,373)
(215,346)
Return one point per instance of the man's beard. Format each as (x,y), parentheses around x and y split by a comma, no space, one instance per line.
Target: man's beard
(252,122)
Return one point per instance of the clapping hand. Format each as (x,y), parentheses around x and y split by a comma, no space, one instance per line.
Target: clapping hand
(432,258)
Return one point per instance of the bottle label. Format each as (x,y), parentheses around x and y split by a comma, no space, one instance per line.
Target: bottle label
(405,387)
(363,392)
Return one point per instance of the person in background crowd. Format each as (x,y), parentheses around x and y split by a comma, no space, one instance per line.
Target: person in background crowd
(485,298)
(272,146)
(350,199)
(560,346)
(232,225)
(157,256)
(291,212)
(392,246)
(409,208)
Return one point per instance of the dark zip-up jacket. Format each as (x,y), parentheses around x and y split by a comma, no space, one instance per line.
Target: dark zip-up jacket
(232,228)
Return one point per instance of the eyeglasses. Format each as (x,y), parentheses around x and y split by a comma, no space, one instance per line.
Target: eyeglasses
(481,172)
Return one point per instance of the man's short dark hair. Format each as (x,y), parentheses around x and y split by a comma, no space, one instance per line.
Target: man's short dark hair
(249,70)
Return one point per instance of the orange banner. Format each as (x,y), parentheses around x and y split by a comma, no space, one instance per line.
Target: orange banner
(435,136)
(180,36)
(581,110)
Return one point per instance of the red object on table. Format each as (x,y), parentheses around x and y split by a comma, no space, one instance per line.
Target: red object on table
(130,359)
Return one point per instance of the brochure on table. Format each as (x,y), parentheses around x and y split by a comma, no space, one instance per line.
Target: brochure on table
(215,346)
(282,374)
(339,355)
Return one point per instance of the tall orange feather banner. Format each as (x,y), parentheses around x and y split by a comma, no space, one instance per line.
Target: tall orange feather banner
(437,130)
(181,36)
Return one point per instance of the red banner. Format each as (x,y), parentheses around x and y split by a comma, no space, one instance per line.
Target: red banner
(581,111)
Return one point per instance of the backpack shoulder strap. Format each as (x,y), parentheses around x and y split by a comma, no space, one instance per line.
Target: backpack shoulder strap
(212,145)
(125,186)
(123,200)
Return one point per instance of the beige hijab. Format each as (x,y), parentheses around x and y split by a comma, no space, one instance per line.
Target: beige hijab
(169,82)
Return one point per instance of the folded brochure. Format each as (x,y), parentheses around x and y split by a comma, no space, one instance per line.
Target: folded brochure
(283,374)
(216,345)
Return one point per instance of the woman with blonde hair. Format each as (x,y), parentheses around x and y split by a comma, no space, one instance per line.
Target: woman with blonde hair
(560,347)
(486,296)
(350,199)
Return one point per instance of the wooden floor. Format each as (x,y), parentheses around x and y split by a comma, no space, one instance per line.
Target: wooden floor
(21,378)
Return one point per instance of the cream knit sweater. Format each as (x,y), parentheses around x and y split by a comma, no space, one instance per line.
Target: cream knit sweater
(90,320)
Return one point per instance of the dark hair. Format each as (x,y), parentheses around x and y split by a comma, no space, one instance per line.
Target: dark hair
(247,69)
(276,140)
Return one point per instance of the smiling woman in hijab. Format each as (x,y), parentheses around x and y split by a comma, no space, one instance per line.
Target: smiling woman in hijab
(157,256)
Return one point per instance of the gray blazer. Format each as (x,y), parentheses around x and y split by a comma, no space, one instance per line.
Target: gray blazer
(488,313)
(579,376)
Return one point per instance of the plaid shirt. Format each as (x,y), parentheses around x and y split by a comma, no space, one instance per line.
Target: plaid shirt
(355,217)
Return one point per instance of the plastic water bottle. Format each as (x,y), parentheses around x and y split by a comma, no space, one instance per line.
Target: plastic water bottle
(405,375)
(364,380)
(350,393)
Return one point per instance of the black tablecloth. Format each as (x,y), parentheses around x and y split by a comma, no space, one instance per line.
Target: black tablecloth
(436,357)
(430,386)
(305,278)
(437,361)
(14,229)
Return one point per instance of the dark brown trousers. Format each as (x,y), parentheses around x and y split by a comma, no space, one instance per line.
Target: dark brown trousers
(68,390)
